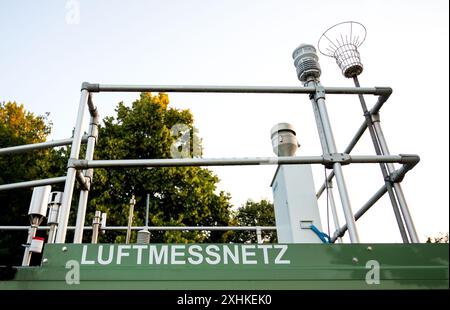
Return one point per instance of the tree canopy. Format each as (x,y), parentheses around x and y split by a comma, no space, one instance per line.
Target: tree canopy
(148,128)
(440,238)
(17,127)
(181,196)
(255,214)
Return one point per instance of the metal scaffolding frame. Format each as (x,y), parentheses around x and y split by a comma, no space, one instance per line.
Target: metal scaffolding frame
(81,170)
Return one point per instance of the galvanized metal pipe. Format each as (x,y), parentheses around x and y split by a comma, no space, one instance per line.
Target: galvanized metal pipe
(384,171)
(406,214)
(320,130)
(376,108)
(147,207)
(347,150)
(383,190)
(83,164)
(325,150)
(92,107)
(31,233)
(233,89)
(346,206)
(88,174)
(259,238)
(155,228)
(52,233)
(95,227)
(33,183)
(319,101)
(181,162)
(381,100)
(81,216)
(130,219)
(333,208)
(36,146)
(397,188)
(71,171)
(364,209)
(82,180)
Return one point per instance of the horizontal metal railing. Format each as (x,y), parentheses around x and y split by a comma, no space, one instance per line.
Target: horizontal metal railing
(257,229)
(75,166)
(157,228)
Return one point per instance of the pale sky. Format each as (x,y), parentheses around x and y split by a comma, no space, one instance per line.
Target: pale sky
(45,54)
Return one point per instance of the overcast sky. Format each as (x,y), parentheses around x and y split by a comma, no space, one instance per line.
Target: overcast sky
(47,50)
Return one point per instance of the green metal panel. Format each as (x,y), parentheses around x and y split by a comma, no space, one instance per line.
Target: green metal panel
(268,266)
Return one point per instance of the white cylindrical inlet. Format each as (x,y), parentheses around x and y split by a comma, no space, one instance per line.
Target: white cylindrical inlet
(97,218)
(36,245)
(96,225)
(53,213)
(39,201)
(54,202)
(103,220)
(143,237)
(55,198)
(284,140)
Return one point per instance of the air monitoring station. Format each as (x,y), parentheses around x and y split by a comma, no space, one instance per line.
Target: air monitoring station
(305,256)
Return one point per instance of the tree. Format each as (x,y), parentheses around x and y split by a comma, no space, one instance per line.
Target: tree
(441,238)
(255,214)
(180,196)
(17,127)
(183,196)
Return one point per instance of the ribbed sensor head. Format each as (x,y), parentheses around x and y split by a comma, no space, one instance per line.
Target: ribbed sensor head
(284,140)
(306,62)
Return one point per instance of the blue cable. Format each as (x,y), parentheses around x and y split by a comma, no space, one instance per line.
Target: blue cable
(323,236)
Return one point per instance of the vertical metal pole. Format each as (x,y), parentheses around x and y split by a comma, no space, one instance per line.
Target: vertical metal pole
(103,222)
(130,219)
(52,233)
(27,254)
(53,215)
(319,101)
(96,226)
(384,171)
(319,124)
(81,215)
(348,213)
(325,150)
(31,233)
(84,193)
(333,208)
(71,172)
(147,206)
(398,189)
(259,238)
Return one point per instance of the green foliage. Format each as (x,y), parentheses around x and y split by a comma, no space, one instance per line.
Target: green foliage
(255,214)
(182,196)
(441,238)
(18,127)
